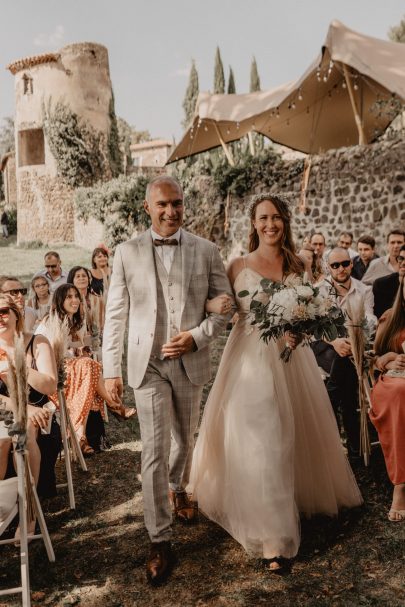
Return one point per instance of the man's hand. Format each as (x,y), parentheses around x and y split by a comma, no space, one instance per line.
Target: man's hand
(114,387)
(342,346)
(178,345)
(38,416)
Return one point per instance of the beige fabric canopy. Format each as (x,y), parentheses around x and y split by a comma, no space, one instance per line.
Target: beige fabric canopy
(349,95)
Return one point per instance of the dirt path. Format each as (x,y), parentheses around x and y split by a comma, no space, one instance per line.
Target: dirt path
(100,549)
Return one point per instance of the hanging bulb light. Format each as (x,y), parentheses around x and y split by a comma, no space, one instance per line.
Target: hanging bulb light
(299,95)
(205,128)
(237,126)
(343,84)
(355,86)
(278,113)
(293,105)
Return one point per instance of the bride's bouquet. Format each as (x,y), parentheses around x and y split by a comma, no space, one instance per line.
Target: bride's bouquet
(302,309)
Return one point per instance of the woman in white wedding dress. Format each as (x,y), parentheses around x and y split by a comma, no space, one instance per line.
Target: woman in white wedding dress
(268,447)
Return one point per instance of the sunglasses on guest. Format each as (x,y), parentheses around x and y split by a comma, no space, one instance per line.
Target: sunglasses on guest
(400,259)
(14,292)
(51,266)
(4,311)
(336,264)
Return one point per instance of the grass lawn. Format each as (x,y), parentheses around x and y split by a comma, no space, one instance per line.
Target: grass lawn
(24,263)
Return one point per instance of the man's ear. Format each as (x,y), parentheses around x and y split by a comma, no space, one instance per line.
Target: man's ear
(146,206)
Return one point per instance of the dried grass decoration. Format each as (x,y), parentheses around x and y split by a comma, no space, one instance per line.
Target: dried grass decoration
(356,327)
(58,335)
(18,391)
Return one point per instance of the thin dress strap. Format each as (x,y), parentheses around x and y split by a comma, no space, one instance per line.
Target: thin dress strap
(245,262)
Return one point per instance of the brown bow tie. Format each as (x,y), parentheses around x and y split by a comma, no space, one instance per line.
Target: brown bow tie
(160,242)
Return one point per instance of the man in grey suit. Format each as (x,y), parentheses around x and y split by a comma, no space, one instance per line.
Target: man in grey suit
(160,283)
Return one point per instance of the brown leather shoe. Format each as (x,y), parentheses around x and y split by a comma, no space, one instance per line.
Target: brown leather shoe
(160,562)
(183,508)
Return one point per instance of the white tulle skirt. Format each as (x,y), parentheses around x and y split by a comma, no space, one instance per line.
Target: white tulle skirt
(268,447)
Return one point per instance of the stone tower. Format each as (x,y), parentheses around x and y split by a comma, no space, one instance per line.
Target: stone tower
(64,124)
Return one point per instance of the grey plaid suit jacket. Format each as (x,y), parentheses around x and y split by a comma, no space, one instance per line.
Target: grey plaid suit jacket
(132,298)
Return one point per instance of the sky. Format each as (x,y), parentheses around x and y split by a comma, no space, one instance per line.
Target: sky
(151,43)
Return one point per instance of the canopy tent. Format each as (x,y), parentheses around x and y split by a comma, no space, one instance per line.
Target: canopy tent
(349,95)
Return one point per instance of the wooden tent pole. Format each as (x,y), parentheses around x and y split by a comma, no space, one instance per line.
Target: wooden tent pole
(362,138)
(227,151)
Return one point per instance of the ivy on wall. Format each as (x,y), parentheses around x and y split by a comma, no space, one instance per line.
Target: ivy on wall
(77,147)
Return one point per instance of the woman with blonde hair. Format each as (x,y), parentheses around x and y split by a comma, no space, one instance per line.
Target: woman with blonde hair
(312,263)
(268,447)
(42,383)
(388,398)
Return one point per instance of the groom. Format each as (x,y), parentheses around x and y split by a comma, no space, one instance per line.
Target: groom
(160,282)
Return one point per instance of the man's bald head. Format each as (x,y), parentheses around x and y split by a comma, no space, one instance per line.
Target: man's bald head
(162,180)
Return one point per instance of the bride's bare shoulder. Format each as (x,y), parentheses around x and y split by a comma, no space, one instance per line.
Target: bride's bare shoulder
(235,267)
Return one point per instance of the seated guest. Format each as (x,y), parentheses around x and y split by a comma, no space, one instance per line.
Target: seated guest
(84,387)
(40,296)
(92,305)
(100,270)
(10,285)
(366,250)
(345,241)
(388,264)
(312,263)
(385,288)
(43,449)
(388,399)
(53,270)
(334,357)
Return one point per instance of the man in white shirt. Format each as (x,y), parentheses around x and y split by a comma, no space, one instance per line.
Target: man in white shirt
(334,357)
(53,270)
(388,264)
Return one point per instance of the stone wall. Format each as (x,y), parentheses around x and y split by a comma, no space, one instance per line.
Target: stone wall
(359,189)
(47,213)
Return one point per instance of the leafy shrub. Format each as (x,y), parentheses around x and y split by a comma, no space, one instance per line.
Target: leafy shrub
(118,204)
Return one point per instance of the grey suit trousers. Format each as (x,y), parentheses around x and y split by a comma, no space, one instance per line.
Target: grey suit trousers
(168,410)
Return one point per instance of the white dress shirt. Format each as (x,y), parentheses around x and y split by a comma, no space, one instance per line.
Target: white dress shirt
(357,290)
(166,252)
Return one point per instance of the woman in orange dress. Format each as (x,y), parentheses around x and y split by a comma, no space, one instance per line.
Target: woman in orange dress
(388,399)
(84,387)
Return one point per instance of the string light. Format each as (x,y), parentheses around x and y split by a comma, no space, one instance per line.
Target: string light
(205,128)
(293,105)
(343,84)
(299,95)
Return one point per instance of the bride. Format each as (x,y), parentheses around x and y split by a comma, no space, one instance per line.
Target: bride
(268,447)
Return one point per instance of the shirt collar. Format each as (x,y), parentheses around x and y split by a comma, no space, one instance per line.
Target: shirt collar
(156,236)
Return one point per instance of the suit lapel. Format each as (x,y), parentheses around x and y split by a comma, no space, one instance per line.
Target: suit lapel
(187,259)
(145,247)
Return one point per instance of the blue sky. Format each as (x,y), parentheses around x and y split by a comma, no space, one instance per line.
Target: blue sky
(151,43)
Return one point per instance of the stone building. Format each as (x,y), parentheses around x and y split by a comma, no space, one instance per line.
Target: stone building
(61,99)
(151,153)
(7,167)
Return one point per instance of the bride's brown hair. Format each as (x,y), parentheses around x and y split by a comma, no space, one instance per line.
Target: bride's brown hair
(291,262)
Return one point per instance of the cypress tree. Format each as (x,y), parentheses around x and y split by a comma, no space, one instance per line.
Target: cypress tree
(254,77)
(190,98)
(219,76)
(231,82)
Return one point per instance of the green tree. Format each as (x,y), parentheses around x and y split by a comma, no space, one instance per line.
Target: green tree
(231,82)
(254,77)
(140,136)
(219,76)
(114,150)
(125,140)
(7,136)
(190,98)
(397,33)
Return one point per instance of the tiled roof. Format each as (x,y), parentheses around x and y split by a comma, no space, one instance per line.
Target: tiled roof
(27,62)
